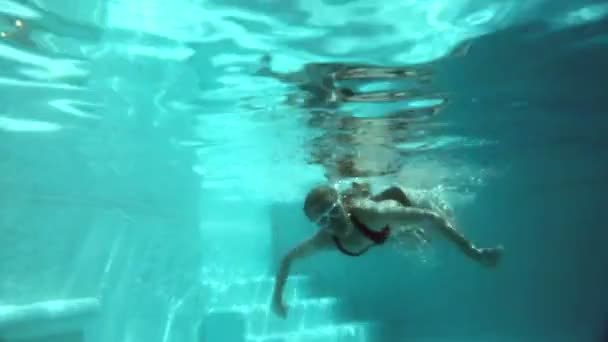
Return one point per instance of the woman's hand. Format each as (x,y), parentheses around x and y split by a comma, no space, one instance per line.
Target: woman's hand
(279,308)
(490,256)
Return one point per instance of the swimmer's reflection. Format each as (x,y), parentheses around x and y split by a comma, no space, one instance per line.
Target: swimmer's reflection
(326,85)
(322,89)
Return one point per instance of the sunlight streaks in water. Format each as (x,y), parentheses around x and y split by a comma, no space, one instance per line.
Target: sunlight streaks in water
(431,28)
(70,107)
(178,53)
(11,82)
(47,68)
(22,125)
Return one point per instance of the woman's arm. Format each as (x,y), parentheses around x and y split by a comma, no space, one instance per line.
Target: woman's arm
(320,241)
(390,213)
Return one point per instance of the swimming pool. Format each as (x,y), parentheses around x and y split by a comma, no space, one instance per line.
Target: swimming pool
(155,155)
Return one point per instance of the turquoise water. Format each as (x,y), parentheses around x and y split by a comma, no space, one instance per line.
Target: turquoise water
(154,156)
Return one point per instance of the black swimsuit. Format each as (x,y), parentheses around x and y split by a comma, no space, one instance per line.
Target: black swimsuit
(377,237)
(380,237)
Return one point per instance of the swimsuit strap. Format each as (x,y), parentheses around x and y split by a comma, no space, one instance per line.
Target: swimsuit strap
(377,237)
(345,251)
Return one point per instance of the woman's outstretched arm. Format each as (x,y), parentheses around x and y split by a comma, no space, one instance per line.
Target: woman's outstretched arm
(322,240)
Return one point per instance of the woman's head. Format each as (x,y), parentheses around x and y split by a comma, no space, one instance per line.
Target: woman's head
(319,200)
(324,199)
(324,207)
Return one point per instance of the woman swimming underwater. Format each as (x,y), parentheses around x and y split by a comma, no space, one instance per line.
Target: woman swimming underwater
(353,221)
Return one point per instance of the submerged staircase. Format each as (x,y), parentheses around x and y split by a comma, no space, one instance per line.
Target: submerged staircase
(240,311)
(48,321)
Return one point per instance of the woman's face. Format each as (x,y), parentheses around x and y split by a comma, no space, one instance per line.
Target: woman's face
(333,219)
